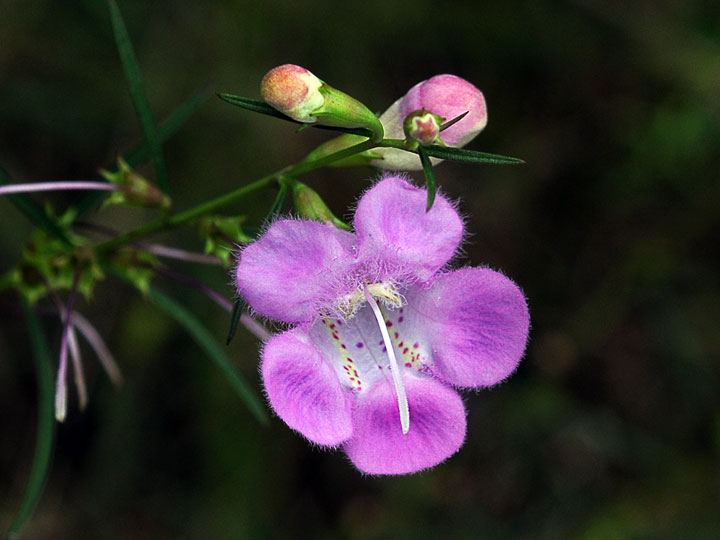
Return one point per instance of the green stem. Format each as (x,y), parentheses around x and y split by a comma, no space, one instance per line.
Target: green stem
(46,424)
(172,222)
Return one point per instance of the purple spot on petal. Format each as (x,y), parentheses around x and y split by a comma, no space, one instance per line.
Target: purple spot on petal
(359,345)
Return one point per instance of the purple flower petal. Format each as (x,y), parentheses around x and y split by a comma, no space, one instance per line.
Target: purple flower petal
(397,234)
(437,428)
(296,269)
(304,390)
(477,321)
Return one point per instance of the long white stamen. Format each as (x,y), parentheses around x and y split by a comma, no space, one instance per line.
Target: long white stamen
(397,378)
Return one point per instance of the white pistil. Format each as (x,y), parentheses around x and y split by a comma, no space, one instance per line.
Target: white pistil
(397,378)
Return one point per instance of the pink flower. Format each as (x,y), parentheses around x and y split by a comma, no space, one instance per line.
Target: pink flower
(447,96)
(383,334)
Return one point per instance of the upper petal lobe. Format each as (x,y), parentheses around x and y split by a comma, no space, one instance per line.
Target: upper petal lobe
(396,232)
(295,269)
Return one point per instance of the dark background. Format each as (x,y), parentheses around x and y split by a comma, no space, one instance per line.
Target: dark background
(610,428)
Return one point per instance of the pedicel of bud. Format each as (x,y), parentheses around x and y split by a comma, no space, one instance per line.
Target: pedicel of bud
(297,93)
(134,189)
(311,206)
(446,96)
(341,143)
(423,127)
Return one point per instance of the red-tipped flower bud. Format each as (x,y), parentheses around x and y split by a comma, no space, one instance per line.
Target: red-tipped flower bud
(296,92)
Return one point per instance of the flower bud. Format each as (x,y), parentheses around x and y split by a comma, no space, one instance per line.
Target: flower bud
(446,96)
(423,127)
(297,93)
(311,206)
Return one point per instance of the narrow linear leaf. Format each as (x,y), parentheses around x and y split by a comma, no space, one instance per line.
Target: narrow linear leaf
(138,94)
(429,177)
(207,342)
(258,106)
(171,125)
(255,105)
(237,310)
(470,156)
(140,152)
(34,212)
(46,424)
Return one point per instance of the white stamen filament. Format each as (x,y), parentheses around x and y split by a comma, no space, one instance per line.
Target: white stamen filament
(397,378)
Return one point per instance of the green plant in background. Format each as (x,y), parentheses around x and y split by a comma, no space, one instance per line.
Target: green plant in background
(420,129)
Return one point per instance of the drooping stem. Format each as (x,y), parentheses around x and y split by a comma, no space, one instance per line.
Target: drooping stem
(92,336)
(253,326)
(397,377)
(168,223)
(61,385)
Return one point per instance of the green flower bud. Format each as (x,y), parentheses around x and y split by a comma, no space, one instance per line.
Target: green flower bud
(311,206)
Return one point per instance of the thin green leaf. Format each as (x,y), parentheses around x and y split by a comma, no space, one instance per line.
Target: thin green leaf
(207,342)
(255,105)
(138,94)
(429,177)
(170,125)
(258,106)
(35,213)
(470,156)
(140,152)
(237,310)
(46,423)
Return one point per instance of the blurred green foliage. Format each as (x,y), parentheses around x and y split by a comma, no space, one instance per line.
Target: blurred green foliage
(609,429)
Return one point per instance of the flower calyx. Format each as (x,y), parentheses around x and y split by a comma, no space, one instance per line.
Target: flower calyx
(422,127)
